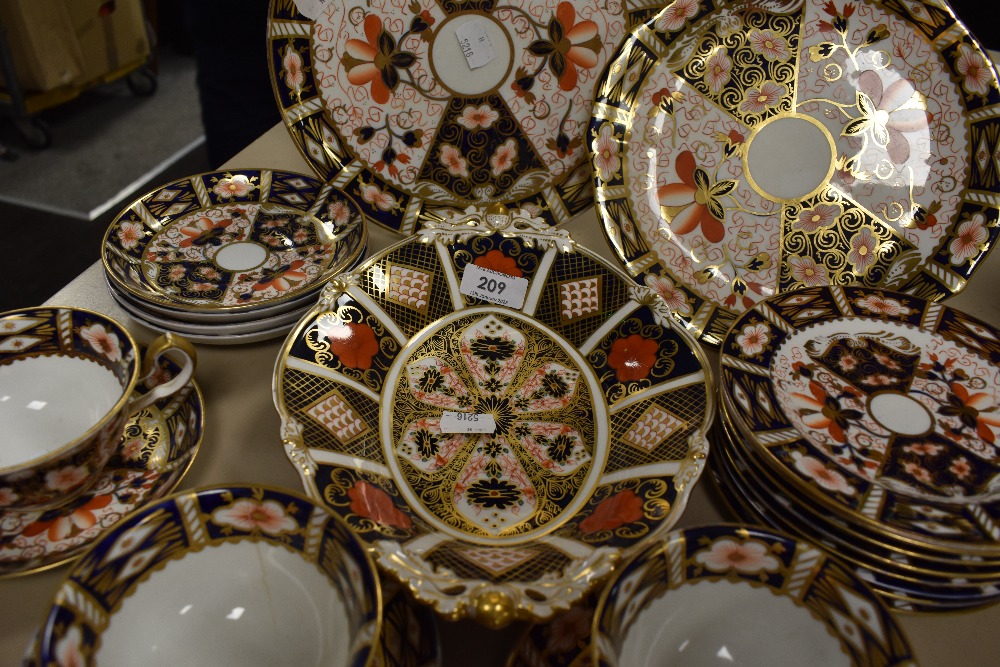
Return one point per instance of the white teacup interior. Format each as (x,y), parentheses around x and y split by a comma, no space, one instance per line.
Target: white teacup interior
(49,401)
(242,603)
(728,623)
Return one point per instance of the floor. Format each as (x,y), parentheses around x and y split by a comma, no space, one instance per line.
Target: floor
(41,250)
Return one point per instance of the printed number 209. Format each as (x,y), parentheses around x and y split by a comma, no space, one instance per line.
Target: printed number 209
(491,285)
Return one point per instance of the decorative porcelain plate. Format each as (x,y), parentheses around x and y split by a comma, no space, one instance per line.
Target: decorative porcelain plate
(693,596)
(233,241)
(901,580)
(799,515)
(498,412)
(243,574)
(881,406)
(158,445)
(412,105)
(742,149)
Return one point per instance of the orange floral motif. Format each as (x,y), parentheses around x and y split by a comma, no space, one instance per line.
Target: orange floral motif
(569,45)
(71,524)
(354,344)
(613,512)
(373,503)
(633,357)
(282,278)
(695,201)
(495,260)
(375,60)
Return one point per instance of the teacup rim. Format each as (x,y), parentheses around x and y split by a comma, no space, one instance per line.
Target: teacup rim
(101,423)
(135,516)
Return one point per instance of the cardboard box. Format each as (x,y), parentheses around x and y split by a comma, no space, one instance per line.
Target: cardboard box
(42,42)
(111,35)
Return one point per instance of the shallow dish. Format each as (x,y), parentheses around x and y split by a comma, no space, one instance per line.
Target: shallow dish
(232,241)
(157,447)
(902,582)
(380,99)
(242,574)
(687,600)
(741,152)
(599,399)
(880,406)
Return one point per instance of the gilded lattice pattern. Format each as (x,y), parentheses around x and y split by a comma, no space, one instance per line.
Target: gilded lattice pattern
(306,389)
(544,559)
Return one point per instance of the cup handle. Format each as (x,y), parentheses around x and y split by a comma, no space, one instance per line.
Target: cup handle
(163,344)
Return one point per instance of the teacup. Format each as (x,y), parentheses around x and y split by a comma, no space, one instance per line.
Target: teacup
(231,575)
(66,381)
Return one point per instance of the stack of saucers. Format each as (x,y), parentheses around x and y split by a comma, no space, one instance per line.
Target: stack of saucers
(867,421)
(231,257)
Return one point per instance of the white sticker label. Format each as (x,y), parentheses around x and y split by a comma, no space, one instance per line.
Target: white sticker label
(311,9)
(475,44)
(467,422)
(493,286)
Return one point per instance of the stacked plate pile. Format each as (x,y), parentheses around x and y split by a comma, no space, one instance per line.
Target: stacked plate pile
(866,420)
(231,257)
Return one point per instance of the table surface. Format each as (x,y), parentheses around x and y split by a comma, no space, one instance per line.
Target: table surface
(242,444)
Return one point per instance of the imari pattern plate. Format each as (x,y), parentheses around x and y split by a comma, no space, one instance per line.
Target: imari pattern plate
(742,149)
(413,105)
(723,576)
(881,406)
(596,403)
(157,447)
(232,241)
(904,581)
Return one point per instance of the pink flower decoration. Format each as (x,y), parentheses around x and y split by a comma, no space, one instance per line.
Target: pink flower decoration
(863,250)
(805,270)
(718,68)
(248,514)
(452,159)
(727,554)
(976,75)
(897,109)
(761,99)
(670,293)
(821,215)
(503,159)
(970,240)
(233,186)
(882,305)
(605,149)
(66,478)
(478,118)
(102,340)
(676,15)
(771,46)
(378,197)
(292,67)
(816,470)
(129,234)
(753,339)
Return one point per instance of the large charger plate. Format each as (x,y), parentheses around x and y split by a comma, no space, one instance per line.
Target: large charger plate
(743,149)
(881,407)
(231,242)
(380,100)
(601,397)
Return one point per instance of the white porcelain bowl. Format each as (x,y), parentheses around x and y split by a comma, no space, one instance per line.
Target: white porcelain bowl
(242,575)
(730,594)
